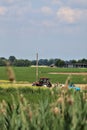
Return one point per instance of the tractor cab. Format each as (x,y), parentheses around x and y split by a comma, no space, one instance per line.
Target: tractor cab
(42,82)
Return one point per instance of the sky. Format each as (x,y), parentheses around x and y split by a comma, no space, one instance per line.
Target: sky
(51,28)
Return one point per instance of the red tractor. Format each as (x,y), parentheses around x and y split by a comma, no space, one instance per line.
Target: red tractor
(42,82)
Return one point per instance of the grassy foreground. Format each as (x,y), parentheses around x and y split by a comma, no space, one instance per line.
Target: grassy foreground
(39,108)
(43,109)
(35,108)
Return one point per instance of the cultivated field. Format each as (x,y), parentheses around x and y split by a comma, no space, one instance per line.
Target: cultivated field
(28,74)
(26,107)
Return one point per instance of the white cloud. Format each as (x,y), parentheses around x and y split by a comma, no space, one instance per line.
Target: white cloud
(20,9)
(69,15)
(46,10)
(3,10)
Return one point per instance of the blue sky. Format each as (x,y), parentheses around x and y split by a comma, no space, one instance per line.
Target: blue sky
(53,28)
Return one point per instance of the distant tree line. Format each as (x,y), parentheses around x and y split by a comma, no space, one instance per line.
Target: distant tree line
(46,62)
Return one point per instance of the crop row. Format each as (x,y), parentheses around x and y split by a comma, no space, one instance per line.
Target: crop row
(28,74)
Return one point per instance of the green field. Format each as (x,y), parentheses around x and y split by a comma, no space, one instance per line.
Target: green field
(40,108)
(28,74)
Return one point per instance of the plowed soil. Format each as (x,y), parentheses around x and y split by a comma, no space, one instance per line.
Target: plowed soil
(66,73)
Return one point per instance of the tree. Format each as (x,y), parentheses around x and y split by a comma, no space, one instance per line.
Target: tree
(73,61)
(22,62)
(43,62)
(59,63)
(84,60)
(2,62)
(33,62)
(27,62)
(12,59)
(51,61)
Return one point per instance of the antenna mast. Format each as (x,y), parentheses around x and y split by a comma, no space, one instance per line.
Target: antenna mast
(36,66)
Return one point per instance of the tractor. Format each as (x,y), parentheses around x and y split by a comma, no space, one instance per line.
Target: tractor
(42,82)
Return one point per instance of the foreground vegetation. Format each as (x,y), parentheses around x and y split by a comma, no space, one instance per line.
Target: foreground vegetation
(42,109)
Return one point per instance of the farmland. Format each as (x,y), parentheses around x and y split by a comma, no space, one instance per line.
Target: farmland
(28,74)
(42,108)
(26,107)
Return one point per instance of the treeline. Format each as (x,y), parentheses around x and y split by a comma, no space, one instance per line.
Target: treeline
(48,62)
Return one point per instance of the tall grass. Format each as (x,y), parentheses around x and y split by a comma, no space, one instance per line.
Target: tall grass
(67,110)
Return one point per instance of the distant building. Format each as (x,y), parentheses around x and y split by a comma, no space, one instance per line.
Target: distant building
(80,65)
(52,65)
(76,65)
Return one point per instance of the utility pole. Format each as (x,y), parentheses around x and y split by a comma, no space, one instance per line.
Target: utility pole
(36,66)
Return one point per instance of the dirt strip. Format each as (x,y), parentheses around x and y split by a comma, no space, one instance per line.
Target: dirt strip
(66,73)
